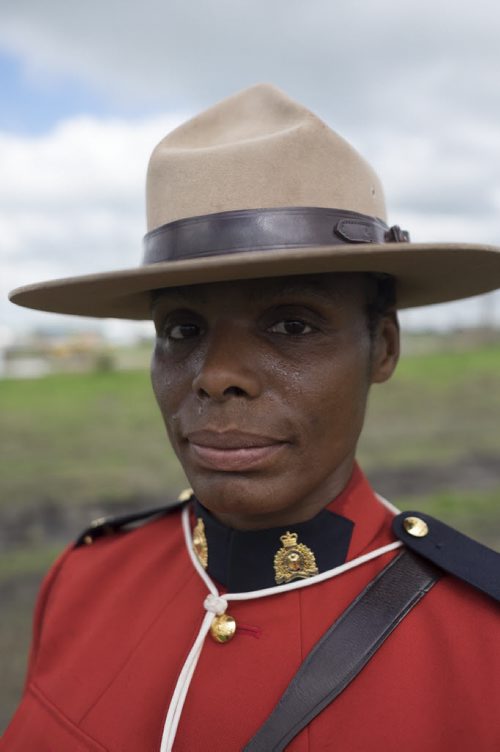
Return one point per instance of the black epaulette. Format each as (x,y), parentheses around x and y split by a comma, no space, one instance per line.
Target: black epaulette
(109,525)
(450,550)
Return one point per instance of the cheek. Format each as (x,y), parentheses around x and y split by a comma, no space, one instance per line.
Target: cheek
(158,376)
(335,401)
(165,380)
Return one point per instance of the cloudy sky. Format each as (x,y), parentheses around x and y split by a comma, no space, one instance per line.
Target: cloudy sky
(87,89)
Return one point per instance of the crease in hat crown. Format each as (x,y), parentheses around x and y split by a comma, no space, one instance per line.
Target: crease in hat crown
(257,149)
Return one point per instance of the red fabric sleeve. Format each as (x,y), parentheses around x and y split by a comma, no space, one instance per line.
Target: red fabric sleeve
(42,600)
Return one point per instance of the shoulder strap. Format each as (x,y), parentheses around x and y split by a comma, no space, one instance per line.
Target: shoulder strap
(452,551)
(107,525)
(346,648)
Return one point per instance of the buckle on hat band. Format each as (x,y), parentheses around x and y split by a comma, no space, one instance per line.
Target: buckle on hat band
(264,230)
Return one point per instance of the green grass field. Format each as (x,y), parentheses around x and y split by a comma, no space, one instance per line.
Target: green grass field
(437,408)
(73,444)
(74,438)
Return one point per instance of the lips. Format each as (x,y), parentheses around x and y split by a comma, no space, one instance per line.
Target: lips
(233,451)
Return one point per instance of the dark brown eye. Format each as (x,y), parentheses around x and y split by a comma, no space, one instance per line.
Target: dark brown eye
(291,327)
(179,332)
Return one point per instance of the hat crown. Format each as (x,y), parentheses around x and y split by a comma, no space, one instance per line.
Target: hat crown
(257,149)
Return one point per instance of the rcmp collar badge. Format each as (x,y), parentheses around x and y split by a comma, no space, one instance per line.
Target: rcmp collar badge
(294,561)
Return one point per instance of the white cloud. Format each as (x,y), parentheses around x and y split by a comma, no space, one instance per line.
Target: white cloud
(72,201)
(416,63)
(99,162)
(454,174)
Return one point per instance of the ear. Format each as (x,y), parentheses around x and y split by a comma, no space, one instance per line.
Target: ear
(385,348)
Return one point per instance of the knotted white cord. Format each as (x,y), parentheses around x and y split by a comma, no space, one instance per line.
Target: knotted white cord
(215,604)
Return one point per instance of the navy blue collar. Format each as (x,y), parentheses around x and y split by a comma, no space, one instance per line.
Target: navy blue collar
(244,560)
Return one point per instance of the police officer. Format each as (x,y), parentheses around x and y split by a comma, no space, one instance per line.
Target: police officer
(281,603)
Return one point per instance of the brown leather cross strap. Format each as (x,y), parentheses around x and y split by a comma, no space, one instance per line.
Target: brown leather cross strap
(264,230)
(346,648)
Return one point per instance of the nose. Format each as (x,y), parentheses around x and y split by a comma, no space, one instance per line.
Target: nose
(228,367)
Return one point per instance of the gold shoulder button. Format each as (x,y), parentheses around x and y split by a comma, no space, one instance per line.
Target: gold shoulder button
(416,526)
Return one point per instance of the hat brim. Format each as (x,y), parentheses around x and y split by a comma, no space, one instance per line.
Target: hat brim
(426,274)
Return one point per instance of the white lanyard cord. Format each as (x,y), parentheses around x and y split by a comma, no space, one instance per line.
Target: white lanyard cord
(215,604)
(182,686)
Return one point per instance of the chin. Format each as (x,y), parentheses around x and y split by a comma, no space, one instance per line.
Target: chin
(231,494)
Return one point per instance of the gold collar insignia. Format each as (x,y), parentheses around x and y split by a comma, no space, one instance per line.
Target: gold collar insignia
(200,542)
(294,561)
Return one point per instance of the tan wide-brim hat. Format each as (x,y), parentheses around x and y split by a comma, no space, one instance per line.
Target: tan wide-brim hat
(258,186)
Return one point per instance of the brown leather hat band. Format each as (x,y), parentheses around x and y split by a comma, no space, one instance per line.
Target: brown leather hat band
(264,229)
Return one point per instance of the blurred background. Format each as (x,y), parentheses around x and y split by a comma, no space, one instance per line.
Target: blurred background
(87,90)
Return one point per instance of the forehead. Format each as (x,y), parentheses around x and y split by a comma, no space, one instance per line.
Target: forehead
(332,287)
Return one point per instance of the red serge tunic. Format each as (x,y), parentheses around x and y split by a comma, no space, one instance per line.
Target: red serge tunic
(115,622)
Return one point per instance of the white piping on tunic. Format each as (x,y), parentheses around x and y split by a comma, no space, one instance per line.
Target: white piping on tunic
(215,604)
